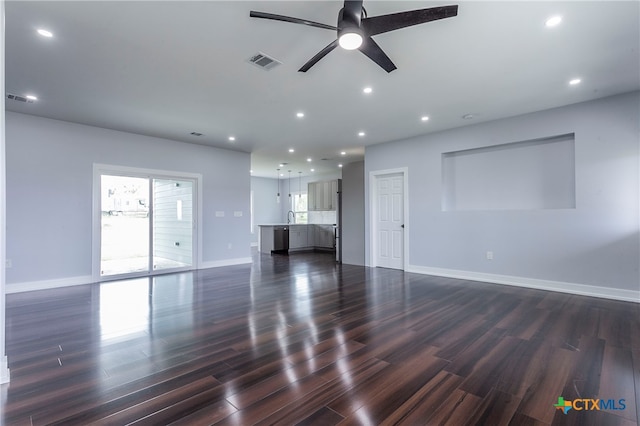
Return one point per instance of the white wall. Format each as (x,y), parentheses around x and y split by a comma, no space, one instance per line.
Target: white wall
(595,244)
(4,371)
(49,194)
(353,213)
(265,207)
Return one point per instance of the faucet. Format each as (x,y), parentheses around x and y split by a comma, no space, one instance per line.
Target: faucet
(293,216)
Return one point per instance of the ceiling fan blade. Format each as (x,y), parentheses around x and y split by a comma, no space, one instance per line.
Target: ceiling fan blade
(321,54)
(394,21)
(376,54)
(254,14)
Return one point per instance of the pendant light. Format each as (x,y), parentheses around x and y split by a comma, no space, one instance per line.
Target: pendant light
(278,195)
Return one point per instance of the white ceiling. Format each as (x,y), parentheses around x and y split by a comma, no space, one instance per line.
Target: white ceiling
(169,68)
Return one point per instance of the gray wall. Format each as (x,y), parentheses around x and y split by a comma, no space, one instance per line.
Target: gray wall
(352,213)
(265,208)
(597,243)
(49,192)
(4,370)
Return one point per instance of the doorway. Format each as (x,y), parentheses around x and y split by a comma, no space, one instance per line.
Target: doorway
(389,244)
(146,224)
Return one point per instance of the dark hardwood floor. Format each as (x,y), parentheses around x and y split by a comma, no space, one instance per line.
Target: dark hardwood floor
(299,340)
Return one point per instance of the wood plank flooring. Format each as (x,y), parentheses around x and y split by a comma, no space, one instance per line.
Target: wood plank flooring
(299,340)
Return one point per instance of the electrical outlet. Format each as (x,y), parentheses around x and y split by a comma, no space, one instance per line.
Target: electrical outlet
(8,263)
(489,255)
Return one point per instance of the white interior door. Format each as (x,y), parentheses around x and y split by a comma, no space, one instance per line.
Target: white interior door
(390,221)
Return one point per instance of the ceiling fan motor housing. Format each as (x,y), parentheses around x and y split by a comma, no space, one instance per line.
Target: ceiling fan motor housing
(349,19)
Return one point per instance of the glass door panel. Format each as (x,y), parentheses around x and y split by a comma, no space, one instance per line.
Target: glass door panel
(124,224)
(172,224)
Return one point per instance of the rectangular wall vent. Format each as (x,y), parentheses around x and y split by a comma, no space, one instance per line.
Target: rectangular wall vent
(264,61)
(18,98)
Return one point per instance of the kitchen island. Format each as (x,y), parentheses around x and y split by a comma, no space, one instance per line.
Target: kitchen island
(302,237)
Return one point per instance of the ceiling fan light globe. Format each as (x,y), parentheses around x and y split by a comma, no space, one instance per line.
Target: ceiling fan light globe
(350,41)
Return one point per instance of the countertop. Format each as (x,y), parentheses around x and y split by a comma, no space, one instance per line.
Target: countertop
(295,224)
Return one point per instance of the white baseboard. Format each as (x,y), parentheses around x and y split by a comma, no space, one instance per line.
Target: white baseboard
(563,287)
(226,262)
(88,279)
(5,376)
(47,284)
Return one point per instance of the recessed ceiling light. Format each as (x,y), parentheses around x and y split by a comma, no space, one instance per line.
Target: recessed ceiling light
(300,114)
(232,138)
(339,165)
(292,150)
(309,160)
(313,170)
(575,81)
(424,118)
(361,134)
(45,33)
(553,21)
(343,153)
(367,90)
(281,174)
(250,171)
(31,97)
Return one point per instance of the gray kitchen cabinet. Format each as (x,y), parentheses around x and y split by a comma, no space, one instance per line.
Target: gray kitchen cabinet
(323,236)
(298,236)
(323,196)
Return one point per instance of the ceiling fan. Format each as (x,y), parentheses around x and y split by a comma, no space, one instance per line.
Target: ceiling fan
(355,29)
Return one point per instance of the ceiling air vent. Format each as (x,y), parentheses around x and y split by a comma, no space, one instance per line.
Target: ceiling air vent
(18,98)
(263,61)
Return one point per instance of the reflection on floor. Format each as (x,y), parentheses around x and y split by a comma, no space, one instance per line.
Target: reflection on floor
(137,264)
(302,340)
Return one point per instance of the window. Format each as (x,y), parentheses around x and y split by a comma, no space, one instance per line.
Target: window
(299,206)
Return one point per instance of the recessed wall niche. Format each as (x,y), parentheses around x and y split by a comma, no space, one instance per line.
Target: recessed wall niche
(529,175)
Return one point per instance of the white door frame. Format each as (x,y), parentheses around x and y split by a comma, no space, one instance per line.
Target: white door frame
(100,169)
(373,216)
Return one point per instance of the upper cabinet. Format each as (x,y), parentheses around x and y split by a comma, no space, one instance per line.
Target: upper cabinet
(323,196)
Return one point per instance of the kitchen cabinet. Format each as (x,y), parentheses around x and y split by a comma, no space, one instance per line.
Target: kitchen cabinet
(298,236)
(265,242)
(323,236)
(323,196)
(311,196)
(301,237)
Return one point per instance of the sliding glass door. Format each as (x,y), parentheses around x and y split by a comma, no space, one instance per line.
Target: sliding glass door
(172,224)
(146,224)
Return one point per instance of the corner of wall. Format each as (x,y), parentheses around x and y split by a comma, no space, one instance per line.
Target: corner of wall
(4,369)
